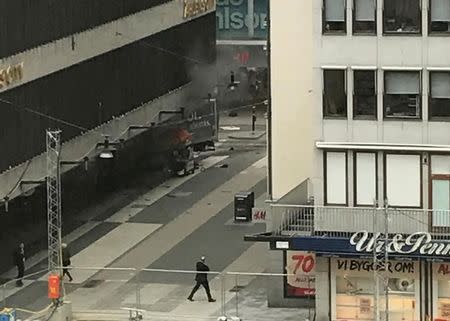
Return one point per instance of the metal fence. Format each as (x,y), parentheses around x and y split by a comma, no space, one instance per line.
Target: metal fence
(344,221)
(157,294)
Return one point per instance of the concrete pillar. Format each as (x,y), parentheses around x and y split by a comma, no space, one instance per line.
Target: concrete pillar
(322,289)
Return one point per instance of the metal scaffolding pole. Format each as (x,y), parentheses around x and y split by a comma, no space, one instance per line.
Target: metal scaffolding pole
(54,201)
(381,261)
(376,278)
(386,261)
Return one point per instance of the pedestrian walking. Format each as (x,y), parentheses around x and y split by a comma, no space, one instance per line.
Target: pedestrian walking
(66,261)
(201,279)
(19,261)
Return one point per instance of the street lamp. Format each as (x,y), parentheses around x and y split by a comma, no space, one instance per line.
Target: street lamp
(233,83)
(210,99)
(109,148)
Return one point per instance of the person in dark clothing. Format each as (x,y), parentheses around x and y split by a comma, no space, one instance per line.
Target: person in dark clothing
(66,261)
(201,278)
(19,261)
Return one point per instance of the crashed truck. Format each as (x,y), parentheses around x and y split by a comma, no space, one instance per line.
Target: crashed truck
(178,134)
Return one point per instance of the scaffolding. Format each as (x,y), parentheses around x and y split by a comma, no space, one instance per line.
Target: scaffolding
(381,260)
(54,201)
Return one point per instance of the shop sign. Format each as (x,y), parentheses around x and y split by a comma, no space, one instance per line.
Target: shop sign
(300,267)
(10,75)
(258,214)
(194,8)
(234,20)
(370,266)
(443,269)
(417,243)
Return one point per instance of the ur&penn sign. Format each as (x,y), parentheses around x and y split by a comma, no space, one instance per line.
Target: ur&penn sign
(420,242)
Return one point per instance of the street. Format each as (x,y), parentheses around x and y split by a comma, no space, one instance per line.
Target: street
(168,228)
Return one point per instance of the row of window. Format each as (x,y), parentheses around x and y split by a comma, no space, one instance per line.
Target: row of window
(399,16)
(403,184)
(402,94)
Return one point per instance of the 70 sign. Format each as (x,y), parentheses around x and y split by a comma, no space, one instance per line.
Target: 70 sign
(304,262)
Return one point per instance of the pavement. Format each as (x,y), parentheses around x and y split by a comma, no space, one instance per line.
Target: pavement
(143,255)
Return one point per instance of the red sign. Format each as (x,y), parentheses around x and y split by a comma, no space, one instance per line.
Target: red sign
(301,267)
(53,286)
(444,269)
(259,214)
(242,57)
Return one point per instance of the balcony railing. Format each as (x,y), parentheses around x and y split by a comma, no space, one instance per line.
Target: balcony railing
(292,220)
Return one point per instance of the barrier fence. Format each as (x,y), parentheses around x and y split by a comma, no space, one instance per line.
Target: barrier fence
(157,294)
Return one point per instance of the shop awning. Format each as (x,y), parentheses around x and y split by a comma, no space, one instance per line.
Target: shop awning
(335,247)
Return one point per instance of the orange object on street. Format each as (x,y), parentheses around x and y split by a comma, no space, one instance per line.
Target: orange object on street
(53,286)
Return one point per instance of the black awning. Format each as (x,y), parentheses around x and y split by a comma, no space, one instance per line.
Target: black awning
(265,237)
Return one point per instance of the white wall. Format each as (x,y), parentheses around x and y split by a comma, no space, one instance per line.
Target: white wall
(379,51)
(291,90)
(57,55)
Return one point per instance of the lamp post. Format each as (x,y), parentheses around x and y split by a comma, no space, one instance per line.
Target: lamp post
(108,148)
(253,118)
(216,116)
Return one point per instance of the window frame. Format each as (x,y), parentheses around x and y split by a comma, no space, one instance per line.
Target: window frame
(356,33)
(355,187)
(324,21)
(432,177)
(324,94)
(366,117)
(431,32)
(403,33)
(385,154)
(325,180)
(430,97)
(403,118)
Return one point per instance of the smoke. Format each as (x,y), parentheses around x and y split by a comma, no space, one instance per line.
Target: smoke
(201,69)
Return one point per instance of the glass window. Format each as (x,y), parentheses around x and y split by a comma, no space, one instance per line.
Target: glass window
(334,16)
(443,291)
(355,290)
(402,94)
(440,94)
(403,180)
(440,16)
(364,97)
(335,178)
(364,16)
(334,93)
(440,189)
(402,16)
(365,178)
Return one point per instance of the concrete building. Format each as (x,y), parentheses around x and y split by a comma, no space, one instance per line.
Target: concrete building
(90,69)
(359,120)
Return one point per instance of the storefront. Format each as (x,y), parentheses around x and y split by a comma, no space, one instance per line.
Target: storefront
(339,274)
(441,291)
(352,290)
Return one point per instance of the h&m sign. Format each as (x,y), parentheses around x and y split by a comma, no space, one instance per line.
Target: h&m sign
(419,243)
(194,8)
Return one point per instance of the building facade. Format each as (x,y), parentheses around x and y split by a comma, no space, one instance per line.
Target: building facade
(241,27)
(91,69)
(368,95)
